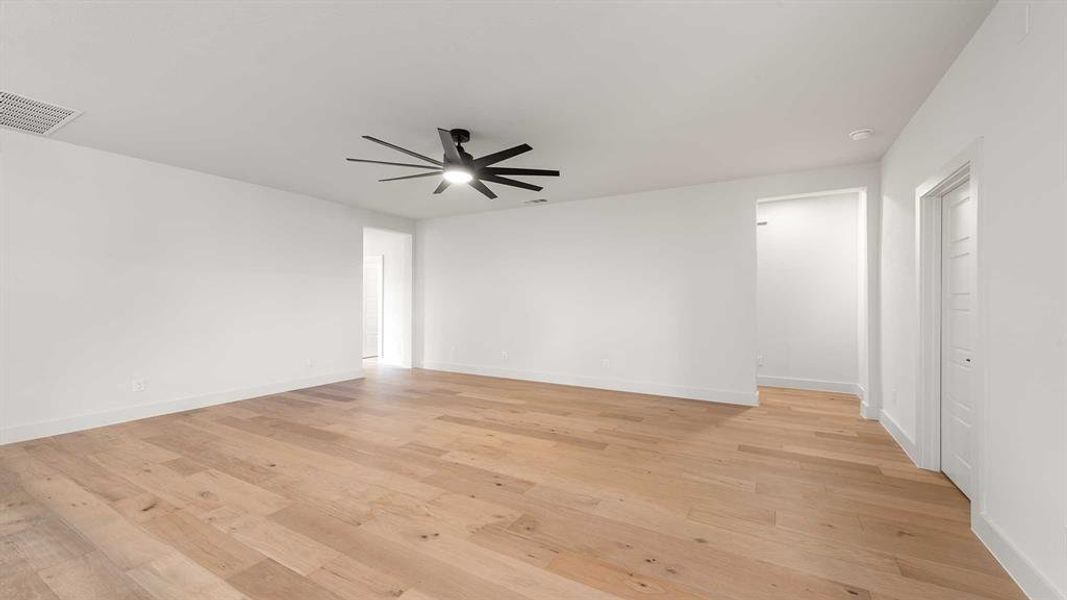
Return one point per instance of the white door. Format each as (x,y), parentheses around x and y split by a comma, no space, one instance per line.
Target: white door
(373,270)
(958,328)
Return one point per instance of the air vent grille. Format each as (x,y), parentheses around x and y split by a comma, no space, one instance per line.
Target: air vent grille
(32,116)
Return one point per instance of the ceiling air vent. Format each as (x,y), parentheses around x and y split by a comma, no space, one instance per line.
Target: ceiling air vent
(32,116)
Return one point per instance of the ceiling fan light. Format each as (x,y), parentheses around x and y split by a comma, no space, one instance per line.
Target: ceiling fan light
(458,176)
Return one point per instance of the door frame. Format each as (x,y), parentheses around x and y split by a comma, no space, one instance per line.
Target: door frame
(929,298)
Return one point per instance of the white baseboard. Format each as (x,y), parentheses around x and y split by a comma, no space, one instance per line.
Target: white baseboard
(840,387)
(1033,583)
(902,439)
(621,385)
(30,431)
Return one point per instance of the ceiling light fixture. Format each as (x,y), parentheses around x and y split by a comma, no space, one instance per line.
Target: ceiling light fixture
(454,175)
(457,166)
(861,134)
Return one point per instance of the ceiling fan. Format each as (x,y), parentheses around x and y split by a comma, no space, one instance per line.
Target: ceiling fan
(459,167)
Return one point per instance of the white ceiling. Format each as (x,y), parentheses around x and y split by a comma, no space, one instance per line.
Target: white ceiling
(622,97)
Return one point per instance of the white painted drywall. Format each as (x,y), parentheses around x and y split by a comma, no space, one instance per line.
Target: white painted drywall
(808,292)
(396,248)
(114,269)
(652,292)
(1007,89)
(373,290)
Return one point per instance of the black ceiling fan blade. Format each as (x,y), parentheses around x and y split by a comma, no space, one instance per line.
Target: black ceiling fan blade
(490,159)
(452,156)
(430,174)
(511,182)
(520,171)
(395,164)
(404,150)
(444,186)
(481,187)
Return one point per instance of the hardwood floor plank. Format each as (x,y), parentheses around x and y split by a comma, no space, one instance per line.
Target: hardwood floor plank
(350,578)
(176,577)
(92,577)
(430,536)
(84,472)
(392,558)
(526,431)
(962,579)
(620,582)
(286,547)
(24,585)
(268,580)
(205,545)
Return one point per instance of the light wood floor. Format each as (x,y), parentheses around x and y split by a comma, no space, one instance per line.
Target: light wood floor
(421,485)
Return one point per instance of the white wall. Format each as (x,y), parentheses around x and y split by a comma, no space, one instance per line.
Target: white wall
(808,292)
(396,248)
(209,289)
(652,292)
(1007,89)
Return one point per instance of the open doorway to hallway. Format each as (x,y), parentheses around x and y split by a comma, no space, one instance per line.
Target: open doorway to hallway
(812,307)
(387,297)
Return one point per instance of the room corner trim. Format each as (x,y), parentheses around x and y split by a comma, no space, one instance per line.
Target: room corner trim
(30,431)
(868,412)
(1033,583)
(621,385)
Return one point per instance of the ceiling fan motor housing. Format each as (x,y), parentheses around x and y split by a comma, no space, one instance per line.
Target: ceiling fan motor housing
(461,136)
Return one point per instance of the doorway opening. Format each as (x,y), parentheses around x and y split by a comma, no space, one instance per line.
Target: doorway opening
(950,388)
(813,293)
(387,297)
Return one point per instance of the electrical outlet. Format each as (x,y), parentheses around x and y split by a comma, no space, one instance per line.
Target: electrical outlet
(309,362)
(759,360)
(138,385)
(605,363)
(504,354)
